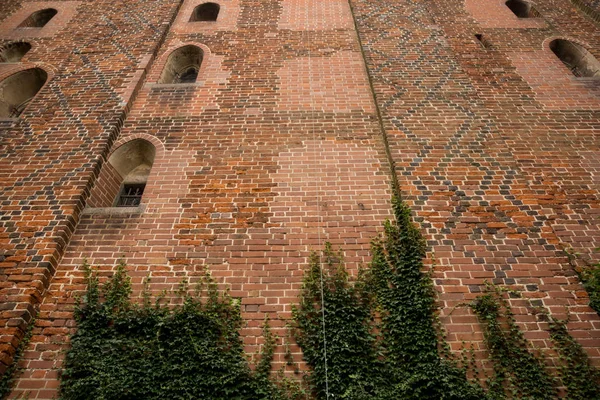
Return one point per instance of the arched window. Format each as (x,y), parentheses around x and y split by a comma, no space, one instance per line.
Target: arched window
(19,89)
(206,12)
(183,65)
(39,18)
(522,9)
(133,162)
(580,61)
(13,52)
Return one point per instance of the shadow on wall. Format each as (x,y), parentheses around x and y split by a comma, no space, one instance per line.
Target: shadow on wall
(205,12)
(39,18)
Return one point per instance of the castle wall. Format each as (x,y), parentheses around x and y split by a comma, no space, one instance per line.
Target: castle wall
(493,149)
(278,148)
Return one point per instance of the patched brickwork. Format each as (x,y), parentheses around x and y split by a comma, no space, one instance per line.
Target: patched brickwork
(279,146)
(322,83)
(309,15)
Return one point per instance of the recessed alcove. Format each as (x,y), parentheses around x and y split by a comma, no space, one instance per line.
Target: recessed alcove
(39,19)
(133,163)
(14,52)
(183,65)
(19,89)
(483,41)
(522,9)
(205,12)
(580,62)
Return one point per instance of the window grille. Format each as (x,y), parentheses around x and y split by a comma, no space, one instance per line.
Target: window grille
(131,195)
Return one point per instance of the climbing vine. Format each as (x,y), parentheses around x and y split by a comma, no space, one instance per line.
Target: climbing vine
(590,277)
(580,378)
(374,337)
(344,356)
(379,341)
(519,372)
(371,336)
(122,350)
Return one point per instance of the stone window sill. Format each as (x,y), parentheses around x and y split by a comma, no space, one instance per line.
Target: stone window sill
(115,210)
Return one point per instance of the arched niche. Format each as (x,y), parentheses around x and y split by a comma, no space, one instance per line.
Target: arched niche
(133,163)
(14,52)
(183,65)
(39,18)
(522,9)
(19,89)
(575,57)
(206,12)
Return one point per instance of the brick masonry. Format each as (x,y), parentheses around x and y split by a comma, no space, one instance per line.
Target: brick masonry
(278,147)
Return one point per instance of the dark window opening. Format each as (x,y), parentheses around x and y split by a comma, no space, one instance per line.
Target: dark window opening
(189,75)
(19,89)
(483,41)
(39,18)
(575,57)
(14,52)
(19,108)
(522,9)
(183,65)
(206,12)
(131,195)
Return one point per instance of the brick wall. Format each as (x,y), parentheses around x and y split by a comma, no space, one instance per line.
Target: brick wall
(50,155)
(278,147)
(106,188)
(489,154)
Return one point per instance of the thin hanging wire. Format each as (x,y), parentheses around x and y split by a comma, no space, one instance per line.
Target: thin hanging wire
(318,191)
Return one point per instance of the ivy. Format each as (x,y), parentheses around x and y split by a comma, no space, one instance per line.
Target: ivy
(372,336)
(581,379)
(344,356)
(406,301)
(380,341)
(122,350)
(519,373)
(590,277)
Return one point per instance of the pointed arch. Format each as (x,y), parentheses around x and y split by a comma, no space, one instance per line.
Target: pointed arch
(206,12)
(522,9)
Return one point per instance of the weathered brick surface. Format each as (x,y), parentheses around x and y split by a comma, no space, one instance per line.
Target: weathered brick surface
(488,155)
(495,14)
(277,147)
(50,154)
(255,167)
